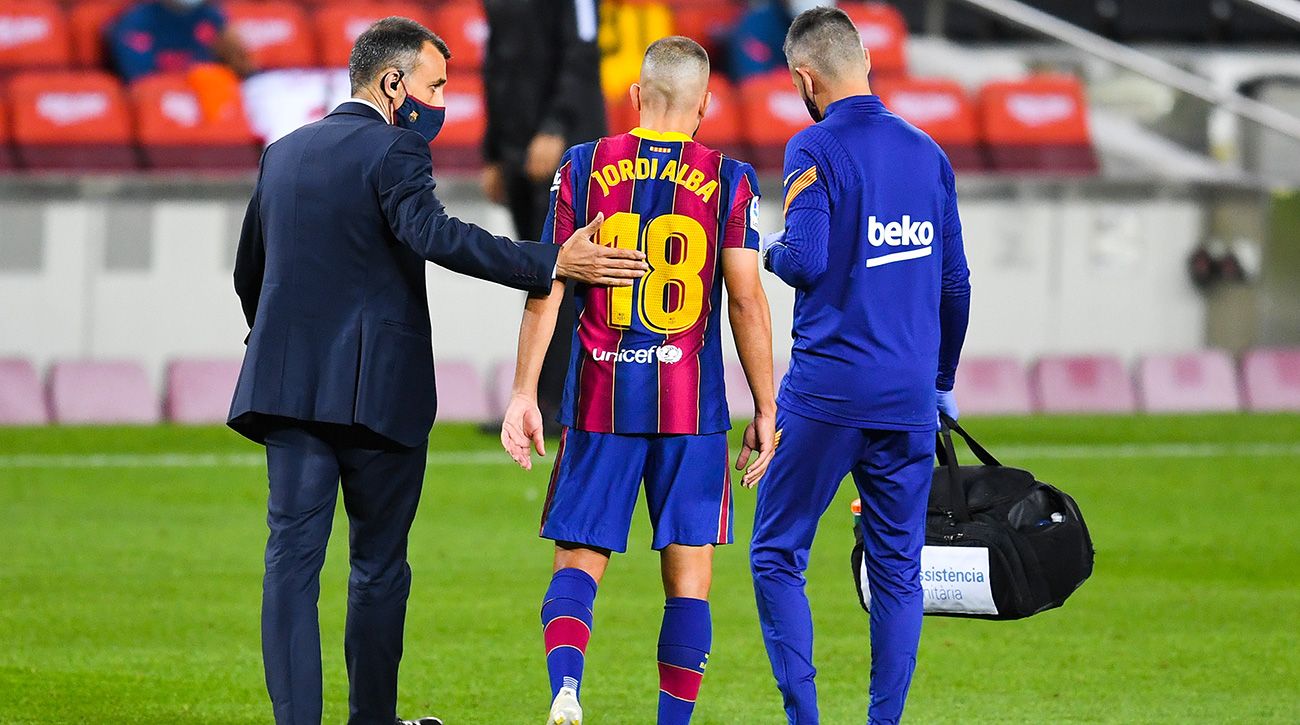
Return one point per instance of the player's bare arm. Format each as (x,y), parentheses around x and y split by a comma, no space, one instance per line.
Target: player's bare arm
(522,426)
(751,325)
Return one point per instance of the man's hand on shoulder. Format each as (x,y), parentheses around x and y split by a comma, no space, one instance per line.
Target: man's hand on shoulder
(583,261)
(522,428)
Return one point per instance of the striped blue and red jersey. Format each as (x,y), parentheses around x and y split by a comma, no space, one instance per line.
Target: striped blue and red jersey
(647,359)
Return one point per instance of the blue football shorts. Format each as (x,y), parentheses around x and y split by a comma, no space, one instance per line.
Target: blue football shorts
(597,478)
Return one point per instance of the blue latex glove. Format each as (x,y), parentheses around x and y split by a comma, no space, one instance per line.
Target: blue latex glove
(947,404)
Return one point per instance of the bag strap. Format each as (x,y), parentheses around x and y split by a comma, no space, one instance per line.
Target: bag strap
(980,451)
(948,457)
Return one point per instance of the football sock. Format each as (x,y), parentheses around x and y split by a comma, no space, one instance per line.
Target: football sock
(566,626)
(684,642)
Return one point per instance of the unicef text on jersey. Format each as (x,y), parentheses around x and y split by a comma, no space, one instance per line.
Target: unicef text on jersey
(666,354)
(905,233)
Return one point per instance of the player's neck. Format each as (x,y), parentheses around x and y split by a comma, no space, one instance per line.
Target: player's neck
(670,122)
(847,89)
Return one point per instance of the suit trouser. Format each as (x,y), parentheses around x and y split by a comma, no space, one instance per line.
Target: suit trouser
(381,489)
(892,471)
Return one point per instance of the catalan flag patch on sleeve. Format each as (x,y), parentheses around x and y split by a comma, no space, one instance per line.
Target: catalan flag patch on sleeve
(801,182)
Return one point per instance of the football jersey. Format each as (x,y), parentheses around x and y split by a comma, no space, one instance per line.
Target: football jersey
(647,359)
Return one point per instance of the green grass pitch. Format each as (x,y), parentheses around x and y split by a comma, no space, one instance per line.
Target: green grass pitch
(130,585)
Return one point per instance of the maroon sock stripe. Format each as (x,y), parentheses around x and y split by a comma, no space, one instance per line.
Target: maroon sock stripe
(679,682)
(566,632)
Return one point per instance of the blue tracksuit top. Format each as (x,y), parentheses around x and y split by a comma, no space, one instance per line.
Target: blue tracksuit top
(872,246)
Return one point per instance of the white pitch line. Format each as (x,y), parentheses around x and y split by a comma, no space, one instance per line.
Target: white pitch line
(1008,454)
(208,460)
(1148,450)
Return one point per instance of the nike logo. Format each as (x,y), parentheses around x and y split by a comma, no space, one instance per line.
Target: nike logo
(787,179)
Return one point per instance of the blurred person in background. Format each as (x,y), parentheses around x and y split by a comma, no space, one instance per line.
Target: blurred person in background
(755,44)
(541,73)
(166,36)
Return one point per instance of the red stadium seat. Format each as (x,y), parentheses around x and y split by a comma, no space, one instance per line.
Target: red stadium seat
(33,34)
(941,108)
(1037,124)
(339,23)
(87,20)
(65,120)
(276,34)
(464,28)
(1271,378)
(721,126)
(199,391)
(98,392)
(21,399)
(460,143)
(174,134)
(1083,384)
(884,33)
(771,112)
(1193,382)
(6,150)
(993,386)
(462,396)
(707,24)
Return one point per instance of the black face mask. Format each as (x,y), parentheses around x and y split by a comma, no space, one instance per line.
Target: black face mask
(808,103)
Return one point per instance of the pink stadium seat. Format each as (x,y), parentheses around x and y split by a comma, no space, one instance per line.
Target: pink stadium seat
(1083,384)
(462,396)
(502,381)
(1201,381)
(993,386)
(21,401)
(199,391)
(1272,379)
(779,369)
(91,391)
(740,403)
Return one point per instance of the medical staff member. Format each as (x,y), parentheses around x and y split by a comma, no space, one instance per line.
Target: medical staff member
(872,245)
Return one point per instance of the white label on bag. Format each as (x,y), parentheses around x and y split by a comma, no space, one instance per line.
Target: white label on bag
(955,580)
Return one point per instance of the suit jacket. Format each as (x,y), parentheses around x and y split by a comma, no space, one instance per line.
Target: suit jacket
(330,273)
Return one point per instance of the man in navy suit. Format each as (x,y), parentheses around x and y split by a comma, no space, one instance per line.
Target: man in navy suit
(338,378)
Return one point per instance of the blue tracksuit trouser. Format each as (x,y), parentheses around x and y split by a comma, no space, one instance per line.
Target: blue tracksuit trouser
(892,470)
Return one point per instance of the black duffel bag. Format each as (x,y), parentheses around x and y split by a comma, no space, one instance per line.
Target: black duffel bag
(999,544)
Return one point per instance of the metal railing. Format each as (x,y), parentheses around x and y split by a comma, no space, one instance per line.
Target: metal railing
(1288,10)
(1148,65)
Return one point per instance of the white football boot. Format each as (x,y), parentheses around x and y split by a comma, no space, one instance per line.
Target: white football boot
(565,710)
